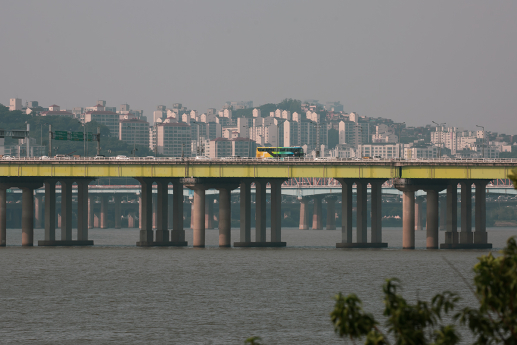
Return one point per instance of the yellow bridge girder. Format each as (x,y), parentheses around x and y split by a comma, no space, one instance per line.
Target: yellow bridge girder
(385,170)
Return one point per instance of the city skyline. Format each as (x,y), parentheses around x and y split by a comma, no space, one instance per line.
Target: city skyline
(440,61)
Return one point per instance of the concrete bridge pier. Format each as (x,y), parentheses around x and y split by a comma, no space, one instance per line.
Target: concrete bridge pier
(317,217)
(209,212)
(466,236)
(480,234)
(146,213)
(104,211)
(198,216)
(432,218)
(419,213)
(3,215)
(83,213)
(117,198)
(155,203)
(451,216)
(304,214)
(91,204)
(331,212)
(27,216)
(362,214)
(38,211)
(162,213)
(408,211)
(443,213)
(245,211)
(177,233)
(260,214)
(225,217)
(170,211)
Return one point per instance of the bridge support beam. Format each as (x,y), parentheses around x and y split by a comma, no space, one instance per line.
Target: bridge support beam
(91,205)
(480,234)
(162,209)
(304,214)
(260,210)
(66,210)
(432,219)
(443,213)
(118,214)
(38,211)
(198,216)
(419,213)
(245,212)
(50,211)
(27,216)
(362,214)
(177,233)
(466,212)
(317,213)
(451,234)
(146,214)
(225,217)
(209,212)
(331,213)
(3,216)
(276,212)
(82,210)
(104,212)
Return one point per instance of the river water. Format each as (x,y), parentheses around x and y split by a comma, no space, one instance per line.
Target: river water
(117,293)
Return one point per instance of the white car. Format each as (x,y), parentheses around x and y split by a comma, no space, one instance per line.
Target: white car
(44,157)
(8,157)
(122,157)
(201,158)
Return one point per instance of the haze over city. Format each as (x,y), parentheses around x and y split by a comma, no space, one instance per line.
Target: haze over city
(414,62)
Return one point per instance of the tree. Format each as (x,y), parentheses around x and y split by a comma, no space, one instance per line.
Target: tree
(493,322)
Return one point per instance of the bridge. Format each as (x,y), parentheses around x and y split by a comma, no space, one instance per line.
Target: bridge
(225,175)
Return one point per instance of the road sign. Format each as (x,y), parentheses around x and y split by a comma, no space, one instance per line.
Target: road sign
(61,135)
(89,136)
(77,136)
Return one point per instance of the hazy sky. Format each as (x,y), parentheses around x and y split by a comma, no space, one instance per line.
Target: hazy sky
(413,61)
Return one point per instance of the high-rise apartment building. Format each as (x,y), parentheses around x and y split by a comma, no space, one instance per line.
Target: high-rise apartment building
(173,139)
(134,132)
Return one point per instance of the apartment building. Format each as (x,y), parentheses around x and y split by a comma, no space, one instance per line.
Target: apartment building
(134,132)
(173,139)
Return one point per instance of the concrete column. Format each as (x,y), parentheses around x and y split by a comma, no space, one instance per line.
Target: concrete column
(362,211)
(130,221)
(443,213)
(317,214)
(82,210)
(199,216)
(96,221)
(66,210)
(140,211)
(408,219)
(177,233)
(155,214)
(346,209)
(27,217)
(146,215)
(432,219)
(276,211)
(3,216)
(209,212)
(419,213)
(480,235)
(245,211)
(451,235)
(304,214)
(376,206)
(260,211)
(104,211)
(91,205)
(170,211)
(331,213)
(38,211)
(50,210)
(466,212)
(192,214)
(118,214)
(225,217)
(162,212)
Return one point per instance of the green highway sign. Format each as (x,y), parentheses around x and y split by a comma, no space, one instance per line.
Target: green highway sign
(61,135)
(89,136)
(77,136)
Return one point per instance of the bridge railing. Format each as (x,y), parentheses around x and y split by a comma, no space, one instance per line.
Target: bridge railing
(122,159)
